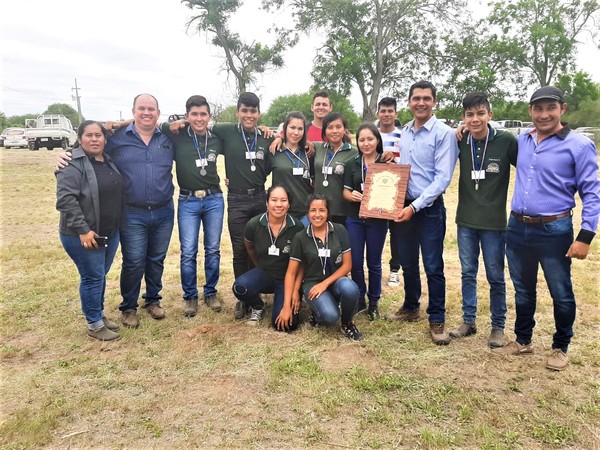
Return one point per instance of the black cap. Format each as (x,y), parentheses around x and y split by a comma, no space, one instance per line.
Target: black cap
(548,93)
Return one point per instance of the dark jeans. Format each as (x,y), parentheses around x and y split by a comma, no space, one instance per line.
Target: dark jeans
(145,237)
(424,233)
(527,247)
(395,259)
(248,287)
(93,265)
(370,233)
(325,307)
(240,209)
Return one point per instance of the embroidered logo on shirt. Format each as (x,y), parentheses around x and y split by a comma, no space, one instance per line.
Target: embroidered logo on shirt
(339,169)
(260,154)
(493,168)
(338,260)
(286,249)
(211,157)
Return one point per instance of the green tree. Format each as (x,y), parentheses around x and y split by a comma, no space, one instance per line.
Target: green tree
(588,115)
(540,36)
(243,60)
(68,111)
(578,88)
(227,114)
(378,46)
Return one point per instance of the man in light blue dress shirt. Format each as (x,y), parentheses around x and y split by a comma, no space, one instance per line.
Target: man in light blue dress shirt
(430,147)
(553,165)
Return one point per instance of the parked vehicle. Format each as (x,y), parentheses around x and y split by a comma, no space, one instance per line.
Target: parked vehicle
(51,131)
(592,133)
(2,135)
(513,126)
(15,137)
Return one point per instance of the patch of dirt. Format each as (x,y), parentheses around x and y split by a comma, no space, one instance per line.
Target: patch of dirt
(348,355)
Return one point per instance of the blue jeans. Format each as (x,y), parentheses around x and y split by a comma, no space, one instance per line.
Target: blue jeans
(492,246)
(93,265)
(325,307)
(370,233)
(145,237)
(527,247)
(248,287)
(395,259)
(192,211)
(425,232)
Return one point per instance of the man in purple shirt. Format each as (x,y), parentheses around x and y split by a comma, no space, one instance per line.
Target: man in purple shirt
(553,164)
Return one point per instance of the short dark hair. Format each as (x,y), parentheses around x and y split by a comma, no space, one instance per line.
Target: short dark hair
(249,99)
(320,94)
(275,186)
(330,118)
(149,95)
(196,100)
(81,129)
(387,101)
(475,99)
(295,115)
(316,197)
(371,127)
(422,85)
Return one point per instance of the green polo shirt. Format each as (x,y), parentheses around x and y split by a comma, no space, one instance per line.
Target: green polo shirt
(485,208)
(283,164)
(353,180)
(236,144)
(304,250)
(189,175)
(257,233)
(334,190)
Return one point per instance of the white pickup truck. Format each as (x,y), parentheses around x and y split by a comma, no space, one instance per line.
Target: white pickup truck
(50,131)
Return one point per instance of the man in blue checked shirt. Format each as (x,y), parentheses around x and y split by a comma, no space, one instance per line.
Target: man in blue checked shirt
(553,165)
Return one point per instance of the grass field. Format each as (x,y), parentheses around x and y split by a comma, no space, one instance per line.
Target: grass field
(211,382)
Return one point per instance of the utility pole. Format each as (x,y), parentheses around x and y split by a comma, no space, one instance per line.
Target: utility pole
(78,98)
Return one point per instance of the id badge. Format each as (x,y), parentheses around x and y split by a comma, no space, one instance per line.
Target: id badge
(477,174)
(328,170)
(324,253)
(250,155)
(203,162)
(273,251)
(298,171)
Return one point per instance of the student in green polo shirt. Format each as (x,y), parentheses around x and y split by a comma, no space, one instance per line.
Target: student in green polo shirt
(486,155)
(369,233)
(322,252)
(268,238)
(291,167)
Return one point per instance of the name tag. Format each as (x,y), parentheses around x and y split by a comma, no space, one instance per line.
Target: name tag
(273,251)
(477,174)
(328,170)
(250,155)
(298,171)
(324,252)
(203,162)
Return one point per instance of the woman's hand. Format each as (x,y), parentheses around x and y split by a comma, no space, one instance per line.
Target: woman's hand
(356,196)
(88,240)
(284,319)
(317,290)
(296,301)
(275,145)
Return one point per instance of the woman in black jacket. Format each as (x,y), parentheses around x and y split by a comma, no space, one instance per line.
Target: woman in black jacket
(89,197)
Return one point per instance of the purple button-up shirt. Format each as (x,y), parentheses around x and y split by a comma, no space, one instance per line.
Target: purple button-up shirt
(549,174)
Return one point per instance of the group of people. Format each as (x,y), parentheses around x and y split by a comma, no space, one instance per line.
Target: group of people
(301,238)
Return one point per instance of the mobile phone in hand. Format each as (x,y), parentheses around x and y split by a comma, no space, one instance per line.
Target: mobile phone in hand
(102,241)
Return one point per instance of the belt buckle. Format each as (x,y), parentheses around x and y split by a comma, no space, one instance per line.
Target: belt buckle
(527,219)
(200,194)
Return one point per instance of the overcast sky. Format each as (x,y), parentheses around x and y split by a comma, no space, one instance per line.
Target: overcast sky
(119,48)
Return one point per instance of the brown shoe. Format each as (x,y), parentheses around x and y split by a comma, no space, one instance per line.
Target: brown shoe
(496,339)
(110,324)
(404,315)
(465,329)
(129,318)
(156,311)
(439,335)
(514,349)
(213,303)
(191,307)
(557,360)
(103,334)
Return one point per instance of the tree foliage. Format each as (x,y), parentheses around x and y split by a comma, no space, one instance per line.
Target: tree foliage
(243,60)
(578,87)
(68,111)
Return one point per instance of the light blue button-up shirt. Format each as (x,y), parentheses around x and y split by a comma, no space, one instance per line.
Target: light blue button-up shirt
(431,151)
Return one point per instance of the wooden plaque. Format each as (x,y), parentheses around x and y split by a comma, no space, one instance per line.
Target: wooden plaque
(384,191)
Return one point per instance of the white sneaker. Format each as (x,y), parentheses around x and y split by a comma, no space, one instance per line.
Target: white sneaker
(255,316)
(394,279)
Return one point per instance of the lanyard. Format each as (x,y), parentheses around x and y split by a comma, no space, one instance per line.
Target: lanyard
(327,164)
(476,165)
(322,259)
(195,139)
(298,158)
(251,148)
(364,167)
(274,239)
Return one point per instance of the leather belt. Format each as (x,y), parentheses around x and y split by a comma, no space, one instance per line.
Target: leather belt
(199,193)
(253,191)
(149,207)
(539,219)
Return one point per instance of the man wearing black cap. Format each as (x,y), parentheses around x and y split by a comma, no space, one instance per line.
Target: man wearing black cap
(553,164)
